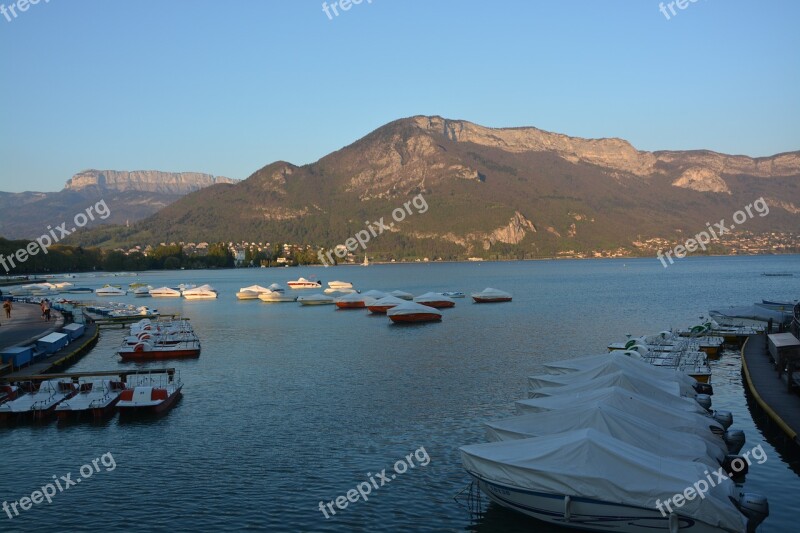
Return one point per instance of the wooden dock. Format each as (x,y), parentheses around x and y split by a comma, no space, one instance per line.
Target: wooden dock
(76,376)
(771,392)
(122,321)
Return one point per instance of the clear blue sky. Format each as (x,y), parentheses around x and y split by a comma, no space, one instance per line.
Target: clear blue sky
(226,87)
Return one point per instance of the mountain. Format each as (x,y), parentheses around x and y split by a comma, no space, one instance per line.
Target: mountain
(490,191)
(130,196)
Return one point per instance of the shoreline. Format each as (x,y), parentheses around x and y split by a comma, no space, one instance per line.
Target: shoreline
(43,278)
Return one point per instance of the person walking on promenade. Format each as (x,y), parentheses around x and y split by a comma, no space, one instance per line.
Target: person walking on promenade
(41,306)
(7,306)
(47,310)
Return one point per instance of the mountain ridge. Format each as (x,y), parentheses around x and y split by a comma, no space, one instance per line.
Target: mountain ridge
(132,196)
(492,190)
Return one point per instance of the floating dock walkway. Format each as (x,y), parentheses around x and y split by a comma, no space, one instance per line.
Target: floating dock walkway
(76,376)
(773,394)
(122,321)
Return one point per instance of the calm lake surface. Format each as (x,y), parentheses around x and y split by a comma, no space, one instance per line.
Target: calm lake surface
(288,406)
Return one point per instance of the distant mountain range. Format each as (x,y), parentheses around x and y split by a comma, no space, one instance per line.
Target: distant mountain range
(131,196)
(490,191)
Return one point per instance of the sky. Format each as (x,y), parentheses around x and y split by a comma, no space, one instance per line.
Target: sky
(226,87)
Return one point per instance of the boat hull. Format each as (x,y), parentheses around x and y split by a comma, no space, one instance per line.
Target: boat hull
(438,304)
(278,299)
(164,406)
(585,513)
(490,300)
(155,355)
(351,305)
(247,295)
(380,309)
(304,285)
(415,318)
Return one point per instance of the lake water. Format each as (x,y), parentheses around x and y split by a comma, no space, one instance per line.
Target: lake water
(288,406)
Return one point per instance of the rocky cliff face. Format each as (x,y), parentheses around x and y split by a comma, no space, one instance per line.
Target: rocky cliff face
(702,180)
(144,181)
(610,153)
(704,168)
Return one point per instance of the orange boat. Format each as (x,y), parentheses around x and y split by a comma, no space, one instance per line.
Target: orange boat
(384,304)
(351,301)
(490,295)
(436,300)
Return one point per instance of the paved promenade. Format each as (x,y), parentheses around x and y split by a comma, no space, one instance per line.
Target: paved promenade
(26,324)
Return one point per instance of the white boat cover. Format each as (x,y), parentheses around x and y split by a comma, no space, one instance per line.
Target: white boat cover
(567,366)
(375,294)
(202,289)
(351,297)
(165,290)
(254,288)
(751,312)
(330,290)
(275,296)
(315,298)
(433,297)
(388,300)
(403,295)
(679,438)
(622,378)
(111,290)
(616,362)
(39,287)
(589,464)
(489,292)
(412,308)
(613,395)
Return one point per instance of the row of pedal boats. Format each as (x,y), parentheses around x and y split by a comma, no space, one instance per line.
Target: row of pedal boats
(96,399)
(149,340)
(603,441)
(399,306)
